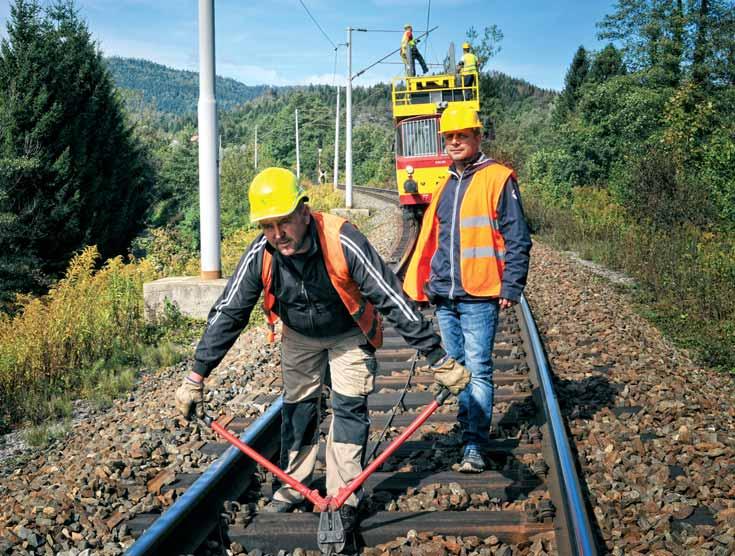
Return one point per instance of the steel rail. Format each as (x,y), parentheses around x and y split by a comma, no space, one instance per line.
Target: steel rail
(583,538)
(182,524)
(157,538)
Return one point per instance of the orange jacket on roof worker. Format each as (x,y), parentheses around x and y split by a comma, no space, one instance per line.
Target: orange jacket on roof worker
(409,53)
(328,286)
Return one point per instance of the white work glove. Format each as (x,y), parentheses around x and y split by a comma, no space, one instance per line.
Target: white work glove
(189,398)
(450,374)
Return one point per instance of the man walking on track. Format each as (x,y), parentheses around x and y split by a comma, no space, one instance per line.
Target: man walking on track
(329,286)
(471,260)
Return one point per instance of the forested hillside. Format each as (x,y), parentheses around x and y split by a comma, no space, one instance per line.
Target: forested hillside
(173,91)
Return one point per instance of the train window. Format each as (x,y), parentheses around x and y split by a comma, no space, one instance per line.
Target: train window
(418,138)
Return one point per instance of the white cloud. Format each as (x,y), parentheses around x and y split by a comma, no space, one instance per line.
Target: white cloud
(251,74)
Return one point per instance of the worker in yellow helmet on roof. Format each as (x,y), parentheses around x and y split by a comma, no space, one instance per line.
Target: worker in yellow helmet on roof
(409,53)
(468,70)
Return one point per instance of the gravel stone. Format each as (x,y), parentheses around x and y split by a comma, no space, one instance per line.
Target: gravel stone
(655,434)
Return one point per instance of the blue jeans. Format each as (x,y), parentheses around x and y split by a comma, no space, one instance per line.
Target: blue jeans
(468,333)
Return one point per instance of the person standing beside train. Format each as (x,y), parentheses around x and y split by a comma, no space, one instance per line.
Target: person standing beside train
(471,260)
(329,286)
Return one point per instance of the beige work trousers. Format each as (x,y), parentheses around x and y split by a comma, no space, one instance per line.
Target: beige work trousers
(353,367)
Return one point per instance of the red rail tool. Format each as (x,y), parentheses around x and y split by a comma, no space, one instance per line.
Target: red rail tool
(331,536)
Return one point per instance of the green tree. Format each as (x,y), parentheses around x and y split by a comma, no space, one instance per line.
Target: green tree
(671,38)
(487,46)
(72,173)
(576,75)
(176,201)
(606,64)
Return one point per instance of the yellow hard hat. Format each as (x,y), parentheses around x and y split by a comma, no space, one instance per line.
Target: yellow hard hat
(274,192)
(456,118)
(465,46)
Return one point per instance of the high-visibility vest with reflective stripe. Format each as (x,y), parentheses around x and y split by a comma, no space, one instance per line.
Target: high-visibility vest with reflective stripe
(482,249)
(469,62)
(365,314)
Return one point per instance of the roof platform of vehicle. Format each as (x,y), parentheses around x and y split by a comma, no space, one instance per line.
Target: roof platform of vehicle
(427,94)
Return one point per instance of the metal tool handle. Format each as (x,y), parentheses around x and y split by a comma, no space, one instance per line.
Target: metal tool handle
(442,396)
(310,494)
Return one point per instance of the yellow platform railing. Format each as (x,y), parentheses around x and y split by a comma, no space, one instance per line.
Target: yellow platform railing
(430,89)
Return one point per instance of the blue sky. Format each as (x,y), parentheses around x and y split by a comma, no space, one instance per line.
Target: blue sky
(275,42)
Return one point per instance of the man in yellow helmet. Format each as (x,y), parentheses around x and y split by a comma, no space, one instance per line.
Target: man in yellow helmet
(329,287)
(471,260)
(410,53)
(467,69)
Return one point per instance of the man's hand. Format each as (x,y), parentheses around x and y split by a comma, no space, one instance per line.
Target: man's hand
(452,375)
(506,303)
(190,398)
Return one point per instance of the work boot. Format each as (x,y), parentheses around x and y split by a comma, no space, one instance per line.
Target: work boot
(348,514)
(279,506)
(472,461)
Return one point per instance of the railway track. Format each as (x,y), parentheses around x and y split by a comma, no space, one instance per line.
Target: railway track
(386,195)
(530,493)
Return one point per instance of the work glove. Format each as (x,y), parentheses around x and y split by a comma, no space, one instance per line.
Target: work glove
(451,375)
(190,398)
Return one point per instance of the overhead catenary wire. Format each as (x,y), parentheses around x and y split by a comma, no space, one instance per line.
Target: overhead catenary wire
(318,26)
(428,16)
(359,73)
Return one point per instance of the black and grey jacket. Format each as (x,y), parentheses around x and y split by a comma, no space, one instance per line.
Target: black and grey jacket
(306,300)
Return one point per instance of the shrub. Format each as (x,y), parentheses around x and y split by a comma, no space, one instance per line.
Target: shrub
(685,275)
(54,340)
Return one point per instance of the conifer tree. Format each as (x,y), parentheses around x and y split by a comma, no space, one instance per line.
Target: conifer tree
(573,81)
(606,64)
(72,174)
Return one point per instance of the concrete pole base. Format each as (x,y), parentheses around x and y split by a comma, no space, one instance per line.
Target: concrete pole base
(193,296)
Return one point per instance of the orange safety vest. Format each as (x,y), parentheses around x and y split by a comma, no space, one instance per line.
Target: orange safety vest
(365,314)
(406,41)
(482,248)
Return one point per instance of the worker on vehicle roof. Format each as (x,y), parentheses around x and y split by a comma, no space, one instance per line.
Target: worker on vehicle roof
(471,260)
(409,53)
(329,287)
(467,69)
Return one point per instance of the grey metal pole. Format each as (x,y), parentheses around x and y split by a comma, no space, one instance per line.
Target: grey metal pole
(319,166)
(207,119)
(336,142)
(298,159)
(348,124)
(256,147)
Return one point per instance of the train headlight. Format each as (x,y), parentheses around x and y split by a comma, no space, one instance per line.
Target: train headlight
(409,170)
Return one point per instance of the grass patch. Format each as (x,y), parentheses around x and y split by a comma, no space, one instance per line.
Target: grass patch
(88,336)
(40,436)
(685,276)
